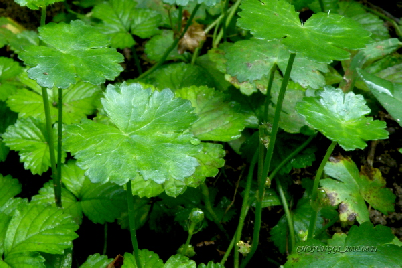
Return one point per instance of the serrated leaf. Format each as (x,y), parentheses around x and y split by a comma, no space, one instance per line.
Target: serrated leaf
(322,38)
(117,16)
(28,136)
(9,187)
(96,260)
(252,59)
(186,2)
(340,117)
(179,75)
(147,259)
(78,102)
(156,46)
(369,21)
(146,138)
(355,189)
(36,4)
(388,94)
(74,50)
(9,70)
(39,228)
(217,120)
(211,264)
(364,246)
(7,118)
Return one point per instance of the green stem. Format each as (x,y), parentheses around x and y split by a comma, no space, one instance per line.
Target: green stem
(137,60)
(57,179)
(172,46)
(208,206)
(50,141)
(288,215)
(179,19)
(321,5)
(132,227)
(269,90)
(267,163)
(314,191)
(225,13)
(43,16)
(227,253)
(244,207)
(227,22)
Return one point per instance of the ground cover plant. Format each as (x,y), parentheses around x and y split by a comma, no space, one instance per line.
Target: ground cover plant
(127,116)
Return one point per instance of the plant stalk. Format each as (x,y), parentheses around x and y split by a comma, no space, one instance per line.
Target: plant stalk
(57,179)
(43,16)
(289,217)
(314,191)
(133,229)
(227,22)
(268,157)
(172,46)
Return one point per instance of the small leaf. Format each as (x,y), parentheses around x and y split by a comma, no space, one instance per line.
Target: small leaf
(96,260)
(74,50)
(9,70)
(388,94)
(29,137)
(340,117)
(355,189)
(322,38)
(147,259)
(179,261)
(145,22)
(39,228)
(156,46)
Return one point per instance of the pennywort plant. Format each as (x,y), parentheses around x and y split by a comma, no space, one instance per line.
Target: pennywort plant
(246,74)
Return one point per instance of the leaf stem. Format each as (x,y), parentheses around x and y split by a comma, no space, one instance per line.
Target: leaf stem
(57,178)
(227,22)
(132,227)
(136,60)
(43,16)
(314,191)
(321,5)
(267,163)
(289,217)
(172,46)
(244,207)
(50,141)
(208,206)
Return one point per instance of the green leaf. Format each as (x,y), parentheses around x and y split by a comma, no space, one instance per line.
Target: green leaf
(211,264)
(36,4)
(363,246)
(185,2)
(116,16)
(205,61)
(9,187)
(387,93)
(355,189)
(147,138)
(252,59)
(75,50)
(145,23)
(39,228)
(369,21)
(96,260)
(156,46)
(179,261)
(78,102)
(28,136)
(23,260)
(340,117)
(218,120)
(7,118)
(179,75)
(147,259)
(324,37)
(9,70)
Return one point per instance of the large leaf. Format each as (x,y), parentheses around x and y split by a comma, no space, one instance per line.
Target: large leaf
(341,118)
(355,189)
(78,102)
(324,37)
(218,120)
(252,59)
(146,139)
(28,136)
(74,50)
(39,228)
(363,246)
(389,94)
